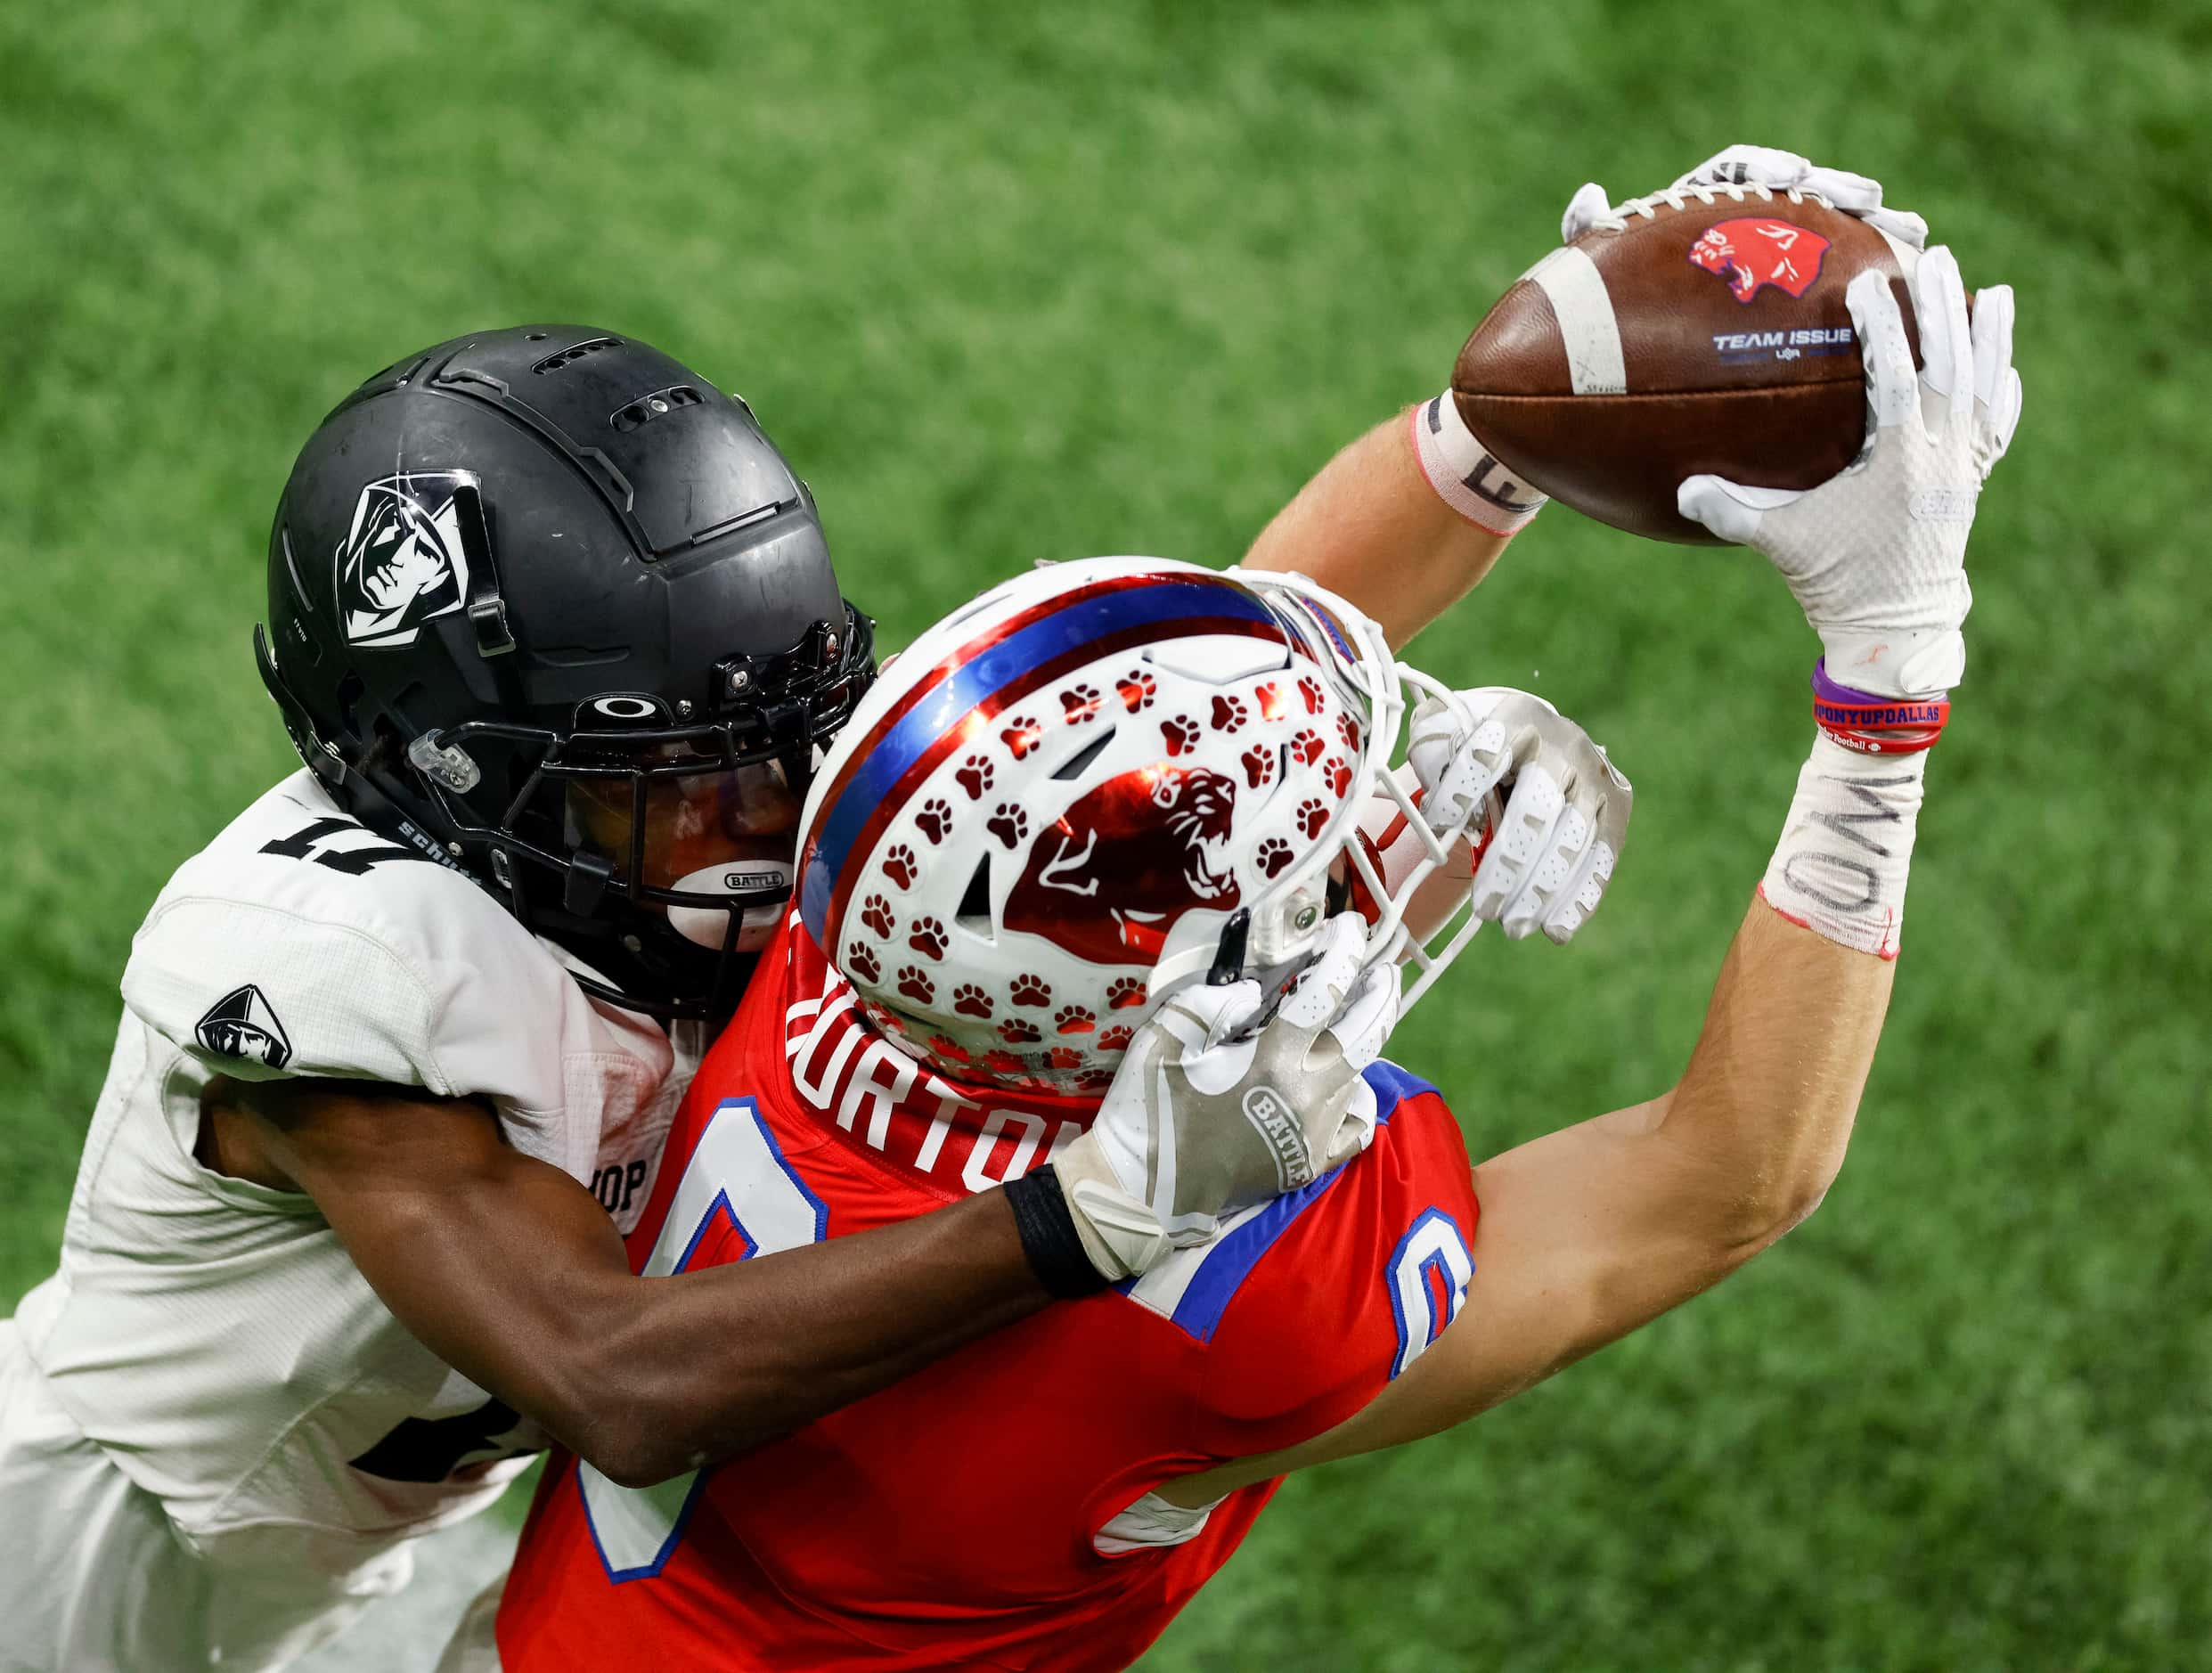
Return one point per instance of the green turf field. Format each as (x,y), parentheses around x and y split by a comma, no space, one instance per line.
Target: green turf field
(1018,282)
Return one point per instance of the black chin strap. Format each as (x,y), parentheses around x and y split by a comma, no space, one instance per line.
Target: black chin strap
(487,610)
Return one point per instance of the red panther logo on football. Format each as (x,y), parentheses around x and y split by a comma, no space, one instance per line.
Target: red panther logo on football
(1750,252)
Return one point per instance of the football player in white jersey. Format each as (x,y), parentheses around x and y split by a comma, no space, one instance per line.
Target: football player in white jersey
(555,631)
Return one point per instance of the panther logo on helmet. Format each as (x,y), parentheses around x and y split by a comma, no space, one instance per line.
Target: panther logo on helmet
(1165,832)
(401,563)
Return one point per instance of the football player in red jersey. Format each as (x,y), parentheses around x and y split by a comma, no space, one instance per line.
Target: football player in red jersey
(1048,1499)
(1102,781)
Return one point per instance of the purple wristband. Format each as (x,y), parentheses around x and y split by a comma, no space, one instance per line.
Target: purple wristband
(1836,691)
(1874,723)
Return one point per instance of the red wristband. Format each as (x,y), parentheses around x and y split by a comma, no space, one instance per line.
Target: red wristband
(1873,724)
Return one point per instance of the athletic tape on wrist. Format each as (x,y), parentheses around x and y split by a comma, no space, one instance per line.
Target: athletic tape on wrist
(1840,868)
(1465,475)
(1048,1235)
(1873,724)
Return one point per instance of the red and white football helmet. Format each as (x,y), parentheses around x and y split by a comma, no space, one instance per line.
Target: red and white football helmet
(1093,784)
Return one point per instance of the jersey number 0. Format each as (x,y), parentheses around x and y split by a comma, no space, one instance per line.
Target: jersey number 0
(737,1181)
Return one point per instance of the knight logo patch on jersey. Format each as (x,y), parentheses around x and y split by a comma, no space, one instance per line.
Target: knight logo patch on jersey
(240,1025)
(401,562)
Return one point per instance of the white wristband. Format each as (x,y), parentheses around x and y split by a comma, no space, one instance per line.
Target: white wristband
(1839,867)
(1465,475)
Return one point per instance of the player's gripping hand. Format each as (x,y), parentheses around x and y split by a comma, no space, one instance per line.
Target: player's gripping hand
(1778,171)
(1566,813)
(1208,1114)
(1876,555)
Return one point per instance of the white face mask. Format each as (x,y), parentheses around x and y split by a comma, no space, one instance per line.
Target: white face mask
(1288,920)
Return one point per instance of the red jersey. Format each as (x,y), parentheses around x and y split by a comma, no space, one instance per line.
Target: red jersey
(974,1514)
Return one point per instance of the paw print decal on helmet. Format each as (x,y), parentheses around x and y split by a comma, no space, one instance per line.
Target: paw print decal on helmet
(1312,814)
(975,777)
(1115,1039)
(1339,774)
(1080,703)
(1308,745)
(1269,698)
(1310,690)
(1259,765)
(1009,824)
(1230,714)
(860,961)
(970,1000)
(1273,856)
(1073,1019)
(1018,1031)
(1021,736)
(876,915)
(1029,990)
(1125,993)
(1180,733)
(934,820)
(900,865)
(927,938)
(1137,688)
(915,983)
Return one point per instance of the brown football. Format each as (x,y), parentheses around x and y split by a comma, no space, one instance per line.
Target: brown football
(1709,337)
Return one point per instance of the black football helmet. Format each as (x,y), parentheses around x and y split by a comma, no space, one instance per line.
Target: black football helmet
(549,608)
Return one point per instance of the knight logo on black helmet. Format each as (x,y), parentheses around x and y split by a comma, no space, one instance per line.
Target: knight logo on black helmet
(635,645)
(400,562)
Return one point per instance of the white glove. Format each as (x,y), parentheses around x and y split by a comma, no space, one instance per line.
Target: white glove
(1755,166)
(1207,1115)
(1566,818)
(1877,554)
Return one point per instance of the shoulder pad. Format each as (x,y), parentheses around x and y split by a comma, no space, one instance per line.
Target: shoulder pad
(300,943)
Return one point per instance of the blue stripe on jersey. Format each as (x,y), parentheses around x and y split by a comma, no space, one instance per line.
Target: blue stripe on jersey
(1394,1085)
(981,677)
(1225,1266)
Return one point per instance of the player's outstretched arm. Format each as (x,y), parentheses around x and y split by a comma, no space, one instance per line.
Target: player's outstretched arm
(1403,521)
(511,1271)
(1591,1231)
(1588,1232)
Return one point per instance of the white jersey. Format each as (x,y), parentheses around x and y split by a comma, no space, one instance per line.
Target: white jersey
(210,1335)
